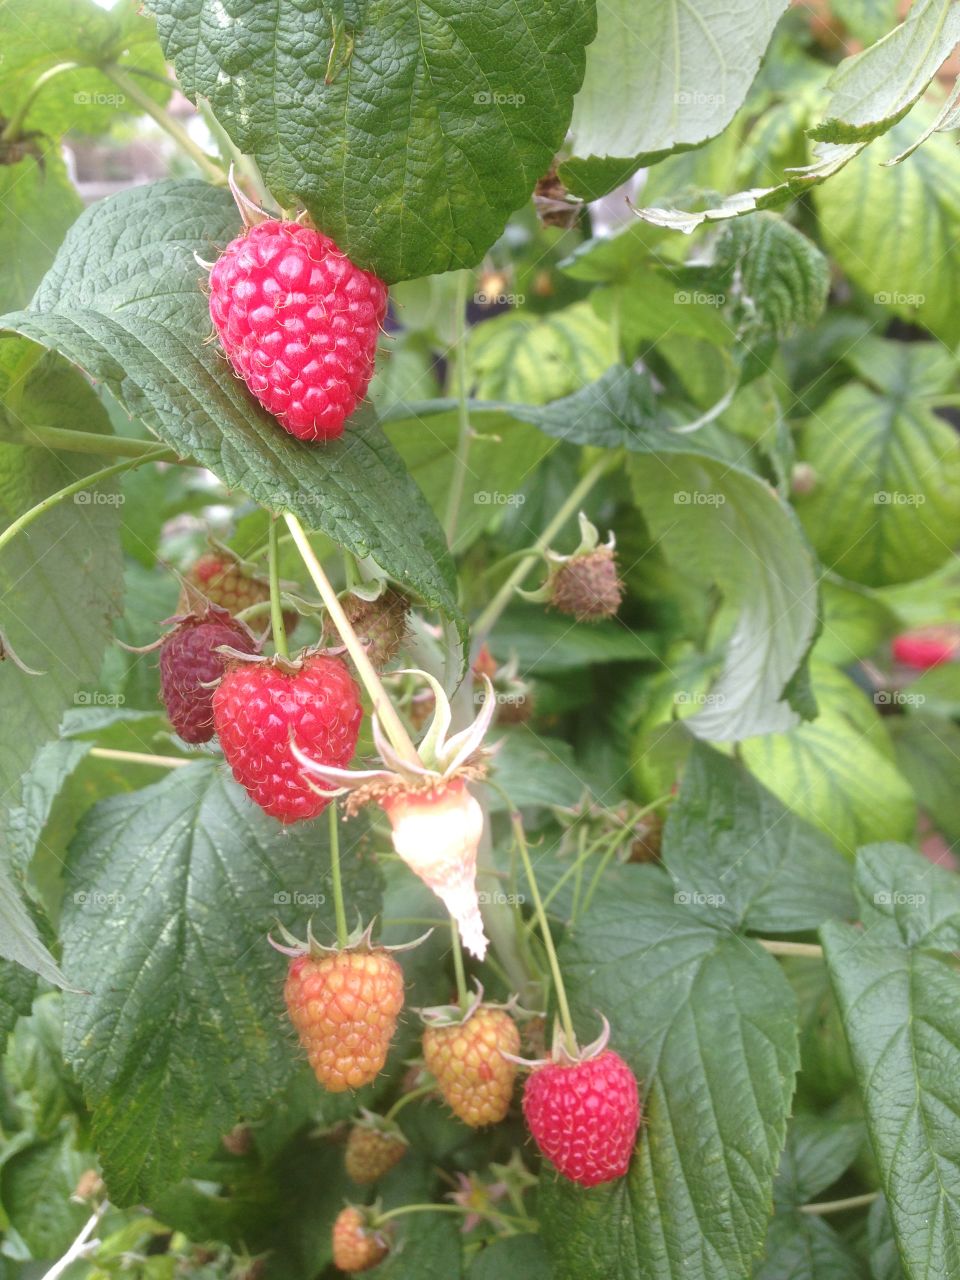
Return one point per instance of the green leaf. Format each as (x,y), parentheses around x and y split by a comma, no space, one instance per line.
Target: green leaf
(855,622)
(893,230)
(33,1067)
(37,205)
(905,896)
(881,1244)
(516,1256)
(17,987)
(60,577)
(866,20)
(928,748)
(36,39)
(837,771)
(708,1023)
(819,1150)
(899,1008)
(886,504)
(801,1247)
(535,770)
(546,644)
(172,891)
(438,119)
(738,856)
(873,89)
(131,312)
(734,527)
(659,80)
(36,1188)
(777,279)
(529,359)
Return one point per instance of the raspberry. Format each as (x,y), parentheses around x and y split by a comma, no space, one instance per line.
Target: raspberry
(584,1117)
(299,323)
(222,580)
(259,707)
(356,1246)
(381,623)
(189,661)
(373,1148)
(474,1077)
(344,1007)
(926,647)
(587,587)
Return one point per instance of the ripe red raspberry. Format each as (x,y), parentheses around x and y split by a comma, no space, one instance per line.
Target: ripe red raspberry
(926,647)
(258,707)
(476,1080)
(344,1006)
(299,323)
(189,661)
(356,1245)
(584,1117)
(374,1146)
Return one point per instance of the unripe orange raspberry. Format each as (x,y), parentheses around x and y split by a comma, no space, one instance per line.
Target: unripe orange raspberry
(465,1058)
(373,1148)
(344,1007)
(356,1245)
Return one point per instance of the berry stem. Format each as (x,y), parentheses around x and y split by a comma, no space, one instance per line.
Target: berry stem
(138,757)
(420,1092)
(462,994)
(208,167)
(383,708)
(338,907)
(516,821)
(495,608)
(14,126)
(276,612)
(85,482)
(461,458)
(778,948)
(840,1206)
(92,442)
(527,1224)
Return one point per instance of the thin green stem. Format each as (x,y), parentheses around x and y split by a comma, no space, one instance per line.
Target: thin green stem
(138,757)
(566,1020)
(778,948)
(382,706)
(338,906)
(841,1206)
(93,442)
(582,857)
(462,994)
(495,608)
(14,126)
(527,1224)
(276,611)
(462,457)
(597,877)
(412,1096)
(136,93)
(86,482)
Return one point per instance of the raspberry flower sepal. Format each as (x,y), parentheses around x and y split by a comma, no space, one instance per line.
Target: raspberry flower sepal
(436,824)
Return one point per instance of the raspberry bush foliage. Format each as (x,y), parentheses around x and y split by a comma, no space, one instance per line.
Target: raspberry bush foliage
(479,640)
